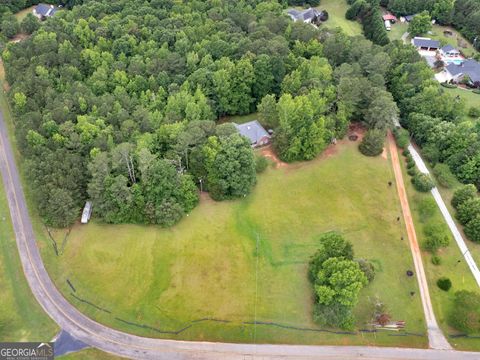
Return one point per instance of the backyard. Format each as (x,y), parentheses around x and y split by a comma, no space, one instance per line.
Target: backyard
(230,263)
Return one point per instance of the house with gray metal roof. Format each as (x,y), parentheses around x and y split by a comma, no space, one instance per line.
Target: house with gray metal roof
(43,11)
(449,50)
(309,15)
(470,68)
(428,44)
(254,132)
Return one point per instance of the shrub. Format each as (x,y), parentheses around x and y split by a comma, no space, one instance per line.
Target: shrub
(444,283)
(406,152)
(476,91)
(474,112)
(261,164)
(408,157)
(422,182)
(448,86)
(372,143)
(411,164)
(463,194)
(472,229)
(444,176)
(402,137)
(436,260)
(367,268)
(412,171)
(436,237)
(468,210)
(465,314)
(426,208)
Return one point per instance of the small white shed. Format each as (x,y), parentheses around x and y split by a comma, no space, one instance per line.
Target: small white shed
(87,212)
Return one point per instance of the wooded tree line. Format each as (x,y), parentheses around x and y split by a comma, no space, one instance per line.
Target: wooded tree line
(110,90)
(435,119)
(368,12)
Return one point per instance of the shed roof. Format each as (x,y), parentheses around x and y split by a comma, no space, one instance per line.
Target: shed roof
(303,15)
(389,17)
(426,42)
(252,130)
(449,48)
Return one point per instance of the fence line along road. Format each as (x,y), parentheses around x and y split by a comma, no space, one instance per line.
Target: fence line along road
(448,218)
(136,347)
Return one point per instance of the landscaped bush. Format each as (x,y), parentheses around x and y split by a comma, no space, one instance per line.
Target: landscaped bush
(261,164)
(476,91)
(436,260)
(372,143)
(448,86)
(444,176)
(444,283)
(412,171)
(465,313)
(406,152)
(468,210)
(426,208)
(474,112)
(411,163)
(402,137)
(422,182)
(472,229)
(368,269)
(436,237)
(462,194)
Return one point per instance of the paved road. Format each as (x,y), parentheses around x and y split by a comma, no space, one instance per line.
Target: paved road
(131,346)
(435,335)
(448,218)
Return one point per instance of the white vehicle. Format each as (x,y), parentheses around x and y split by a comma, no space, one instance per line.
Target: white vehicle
(388,25)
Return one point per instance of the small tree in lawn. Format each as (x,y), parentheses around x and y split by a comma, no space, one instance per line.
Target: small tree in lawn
(420,24)
(436,237)
(465,314)
(422,182)
(472,229)
(468,210)
(372,143)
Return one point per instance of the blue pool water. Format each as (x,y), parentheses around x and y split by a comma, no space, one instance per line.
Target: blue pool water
(456,62)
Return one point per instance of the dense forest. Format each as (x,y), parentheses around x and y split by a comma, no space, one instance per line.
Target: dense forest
(119,101)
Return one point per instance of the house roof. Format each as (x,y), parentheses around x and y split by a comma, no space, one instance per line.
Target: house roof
(303,15)
(252,130)
(45,10)
(469,67)
(448,48)
(426,42)
(389,17)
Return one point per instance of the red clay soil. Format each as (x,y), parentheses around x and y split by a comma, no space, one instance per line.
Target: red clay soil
(268,152)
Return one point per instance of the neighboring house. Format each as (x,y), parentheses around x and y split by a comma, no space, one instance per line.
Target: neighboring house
(449,51)
(390,17)
(87,212)
(43,11)
(428,44)
(254,132)
(309,16)
(456,73)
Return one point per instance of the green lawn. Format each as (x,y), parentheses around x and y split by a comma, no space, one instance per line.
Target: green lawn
(450,267)
(21,317)
(89,354)
(398,29)
(23,13)
(454,40)
(240,119)
(206,266)
(471,99)
(336,10)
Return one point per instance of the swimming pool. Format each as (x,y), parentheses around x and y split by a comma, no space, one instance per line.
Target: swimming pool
(456,61)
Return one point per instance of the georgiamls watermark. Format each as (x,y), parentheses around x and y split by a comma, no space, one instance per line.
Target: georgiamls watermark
(26,351)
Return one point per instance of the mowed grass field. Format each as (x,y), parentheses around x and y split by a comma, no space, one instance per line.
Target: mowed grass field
(471,99)
(228,264)
(457,271)
(336,10)
(21,317)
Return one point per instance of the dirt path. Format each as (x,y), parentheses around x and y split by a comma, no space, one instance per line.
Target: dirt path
(435,336)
